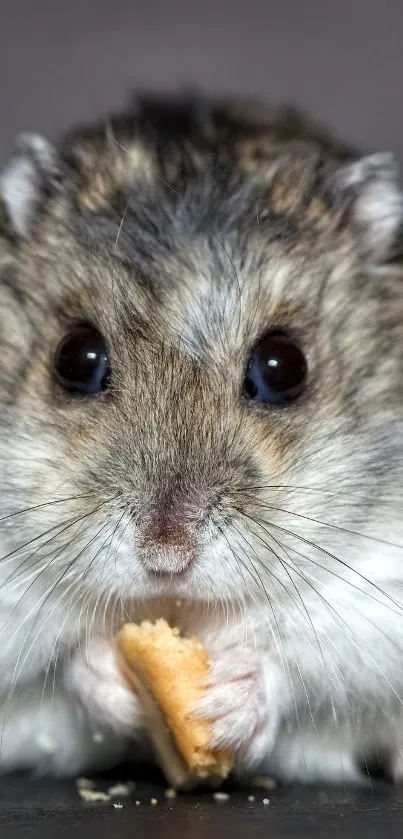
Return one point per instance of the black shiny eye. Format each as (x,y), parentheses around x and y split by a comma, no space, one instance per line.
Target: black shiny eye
(82,363)
(277,370)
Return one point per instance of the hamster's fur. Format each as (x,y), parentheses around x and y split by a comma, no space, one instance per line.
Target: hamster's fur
(183,232)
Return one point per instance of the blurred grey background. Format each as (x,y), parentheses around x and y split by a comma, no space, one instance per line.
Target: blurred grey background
(63,61)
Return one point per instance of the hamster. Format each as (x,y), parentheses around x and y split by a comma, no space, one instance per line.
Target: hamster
(201,388)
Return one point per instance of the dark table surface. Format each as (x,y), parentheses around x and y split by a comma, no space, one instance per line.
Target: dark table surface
(39,809)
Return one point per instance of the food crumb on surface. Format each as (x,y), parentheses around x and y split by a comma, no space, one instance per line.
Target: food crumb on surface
(85,783)
(221,796)
(120,789)
(263,781)
(251,798)
(117,805)
(87,791)
(170,793)
(153,801)
(137,803)
(93,794)
(266,801)
(98,737)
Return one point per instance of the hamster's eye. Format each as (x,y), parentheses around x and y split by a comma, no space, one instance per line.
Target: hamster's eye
(82,363)
(276,372)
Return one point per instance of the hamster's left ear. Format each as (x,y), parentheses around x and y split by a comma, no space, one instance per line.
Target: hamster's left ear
(369,191)
(33,173)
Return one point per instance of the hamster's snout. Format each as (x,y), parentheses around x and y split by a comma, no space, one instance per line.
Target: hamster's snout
(168,534)
(167,545)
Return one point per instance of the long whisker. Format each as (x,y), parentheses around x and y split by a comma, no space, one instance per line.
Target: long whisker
(36,608)
(106,560)
(17,605)
(339,576)
(6,557)
(308,559)
(277,634)
(327,524)
(288,567)
(340,561)
(242,565)
(102,594)
(305,614)
(338,673)
(52,660)
(43,506)
(301,488)
(350,637)
(17,672)
(60,528)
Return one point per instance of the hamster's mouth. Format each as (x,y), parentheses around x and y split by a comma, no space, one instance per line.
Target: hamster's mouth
(169,584)
(172,576)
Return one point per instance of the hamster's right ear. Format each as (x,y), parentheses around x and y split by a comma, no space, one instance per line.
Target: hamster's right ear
(33,173)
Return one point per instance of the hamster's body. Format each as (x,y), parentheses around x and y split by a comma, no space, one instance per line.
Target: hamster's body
(156,273)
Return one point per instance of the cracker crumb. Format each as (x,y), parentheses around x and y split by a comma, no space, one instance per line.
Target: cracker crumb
(137,803)
(85,783)
(93,794)
(120,789)
(117,805)
(170,793)
(266,801)
(263,781)
(221,796)
(153,801)
(251,798)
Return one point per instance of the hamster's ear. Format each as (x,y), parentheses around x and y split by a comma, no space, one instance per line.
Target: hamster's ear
(369,191)
(33,172)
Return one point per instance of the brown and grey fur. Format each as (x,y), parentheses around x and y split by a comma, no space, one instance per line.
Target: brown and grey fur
(183,231)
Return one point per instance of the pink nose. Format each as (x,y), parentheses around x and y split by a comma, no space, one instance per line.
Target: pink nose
(166,545)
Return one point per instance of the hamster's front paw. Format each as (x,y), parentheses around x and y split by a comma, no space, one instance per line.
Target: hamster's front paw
(94,677)
(238,701)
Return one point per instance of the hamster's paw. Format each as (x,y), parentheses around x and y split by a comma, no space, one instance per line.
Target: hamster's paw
(94,677)
(41,730)
(238,701)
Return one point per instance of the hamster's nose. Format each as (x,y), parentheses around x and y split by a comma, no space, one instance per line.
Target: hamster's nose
(167,544)
(169,527)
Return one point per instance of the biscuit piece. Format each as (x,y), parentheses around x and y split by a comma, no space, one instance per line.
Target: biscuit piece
(169,673)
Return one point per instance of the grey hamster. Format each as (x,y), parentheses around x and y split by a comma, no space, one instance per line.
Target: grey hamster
(201,387)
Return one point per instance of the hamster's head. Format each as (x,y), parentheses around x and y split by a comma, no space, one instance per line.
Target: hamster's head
(201,359)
